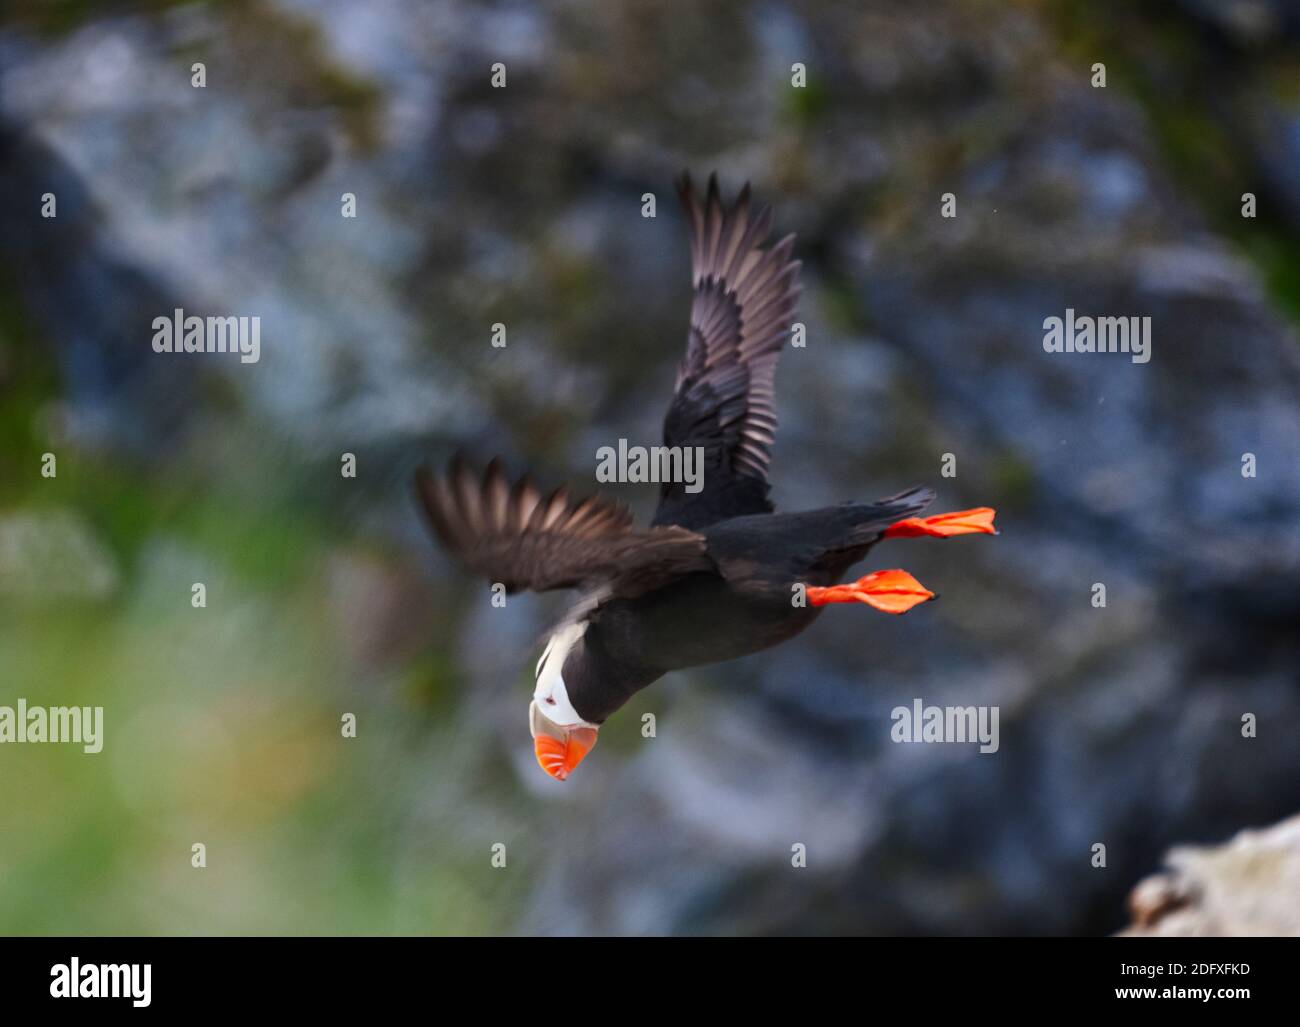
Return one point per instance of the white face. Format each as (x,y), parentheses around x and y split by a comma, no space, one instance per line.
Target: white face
(551,696)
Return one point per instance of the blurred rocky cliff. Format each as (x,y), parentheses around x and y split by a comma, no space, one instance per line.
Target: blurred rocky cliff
(1120,726)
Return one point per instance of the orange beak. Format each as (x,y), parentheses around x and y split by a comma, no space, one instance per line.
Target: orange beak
(558,749)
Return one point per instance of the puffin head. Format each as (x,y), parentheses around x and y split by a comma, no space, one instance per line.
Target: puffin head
(561,738)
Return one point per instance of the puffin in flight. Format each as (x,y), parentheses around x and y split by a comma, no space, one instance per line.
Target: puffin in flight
(718,574)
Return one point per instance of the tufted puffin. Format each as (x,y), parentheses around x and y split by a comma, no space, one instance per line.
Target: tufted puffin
(718,574)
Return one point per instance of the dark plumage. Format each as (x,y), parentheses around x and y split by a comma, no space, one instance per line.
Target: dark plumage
(526,541)
(745,302)
(718,574)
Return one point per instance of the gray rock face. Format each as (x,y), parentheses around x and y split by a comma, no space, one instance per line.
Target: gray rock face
(1121,725)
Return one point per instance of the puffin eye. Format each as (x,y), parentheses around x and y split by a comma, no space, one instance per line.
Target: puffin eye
(550,701)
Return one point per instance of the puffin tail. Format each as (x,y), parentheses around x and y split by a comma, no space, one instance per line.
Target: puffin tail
(847,531)
(870,521)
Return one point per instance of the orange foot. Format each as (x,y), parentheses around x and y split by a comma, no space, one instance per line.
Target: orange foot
(891,591)
(963,522)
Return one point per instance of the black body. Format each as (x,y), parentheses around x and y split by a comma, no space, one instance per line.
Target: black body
(746,605)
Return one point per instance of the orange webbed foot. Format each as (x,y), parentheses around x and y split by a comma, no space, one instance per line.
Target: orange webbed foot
(978,521)
(891,591)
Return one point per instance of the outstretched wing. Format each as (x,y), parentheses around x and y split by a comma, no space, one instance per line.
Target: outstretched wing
(744,304)
(517,536)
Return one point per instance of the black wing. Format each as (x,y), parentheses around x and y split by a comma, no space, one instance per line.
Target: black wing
(514,535)
(744,305)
